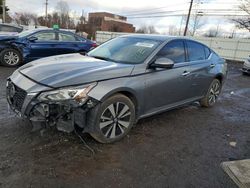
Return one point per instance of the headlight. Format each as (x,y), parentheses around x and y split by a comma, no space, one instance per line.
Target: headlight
(79,94)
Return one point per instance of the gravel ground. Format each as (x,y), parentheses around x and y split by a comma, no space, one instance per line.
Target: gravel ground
(179,148)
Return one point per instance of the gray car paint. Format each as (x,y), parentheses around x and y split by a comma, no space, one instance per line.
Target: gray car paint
(154,90)
(73,69)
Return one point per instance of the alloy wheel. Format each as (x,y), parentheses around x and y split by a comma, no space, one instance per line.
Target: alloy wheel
(114,120)
(214,93)
(11,58)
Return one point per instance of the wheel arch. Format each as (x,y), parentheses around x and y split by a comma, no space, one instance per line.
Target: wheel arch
(220,77)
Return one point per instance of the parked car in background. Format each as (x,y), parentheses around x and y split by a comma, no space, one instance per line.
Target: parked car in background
(246,66)
(34,44)
(123,80)
(9,29)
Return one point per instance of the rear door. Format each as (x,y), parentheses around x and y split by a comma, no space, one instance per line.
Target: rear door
(200,67)
(44,45)
(166,88)
(70,43)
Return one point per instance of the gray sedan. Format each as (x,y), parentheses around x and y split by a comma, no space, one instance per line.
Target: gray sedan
(246,66)
(107,91)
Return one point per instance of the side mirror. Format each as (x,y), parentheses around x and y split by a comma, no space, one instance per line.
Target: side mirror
(32,39)
(163,62)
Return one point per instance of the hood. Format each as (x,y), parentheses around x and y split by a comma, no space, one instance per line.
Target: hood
(7,37)
(73,69)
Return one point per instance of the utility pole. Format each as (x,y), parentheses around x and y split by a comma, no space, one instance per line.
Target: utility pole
(4,12)
(189,12)
(46,12)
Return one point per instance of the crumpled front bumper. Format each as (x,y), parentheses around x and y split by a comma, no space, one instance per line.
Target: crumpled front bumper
(18,99)
(22,99)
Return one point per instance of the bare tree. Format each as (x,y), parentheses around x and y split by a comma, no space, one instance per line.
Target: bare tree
(196,20)
(172,30)
(244,23)
(25,18)
(147,30)
(62,9)
(60,16)
(213,32)
(195,23)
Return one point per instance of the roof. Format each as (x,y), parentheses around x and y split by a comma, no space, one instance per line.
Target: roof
(51,29)
(152,36)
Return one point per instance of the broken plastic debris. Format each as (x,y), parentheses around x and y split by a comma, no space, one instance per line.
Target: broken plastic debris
(233,144)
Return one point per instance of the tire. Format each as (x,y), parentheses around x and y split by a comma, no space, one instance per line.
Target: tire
(10,57)
(109,123)
(212,94)
(244,74)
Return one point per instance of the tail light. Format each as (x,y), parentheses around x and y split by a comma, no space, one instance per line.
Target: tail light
(94,45)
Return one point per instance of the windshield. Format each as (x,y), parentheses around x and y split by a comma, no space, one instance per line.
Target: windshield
(25,33)
(125,50)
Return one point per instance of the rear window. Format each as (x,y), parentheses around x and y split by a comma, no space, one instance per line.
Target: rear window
(64,37)
(196,51)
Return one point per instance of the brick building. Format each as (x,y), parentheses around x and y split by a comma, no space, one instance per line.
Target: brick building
(103,21)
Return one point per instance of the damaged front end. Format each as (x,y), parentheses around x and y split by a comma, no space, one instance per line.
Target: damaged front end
(65,116)
(64,108)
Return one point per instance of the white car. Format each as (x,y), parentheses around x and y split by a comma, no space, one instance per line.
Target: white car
(246,66)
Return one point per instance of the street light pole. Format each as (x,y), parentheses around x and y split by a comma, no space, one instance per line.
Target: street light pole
(4,12)
(46,12)
(189,12)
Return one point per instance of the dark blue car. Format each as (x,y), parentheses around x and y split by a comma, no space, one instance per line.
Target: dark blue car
(31,45)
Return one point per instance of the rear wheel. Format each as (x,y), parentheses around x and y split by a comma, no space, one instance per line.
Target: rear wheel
(112,119)
(10,57)
(212,94)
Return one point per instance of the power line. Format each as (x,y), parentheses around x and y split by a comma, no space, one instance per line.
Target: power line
(169,11)
(199,11)
(146,10)
(177,15)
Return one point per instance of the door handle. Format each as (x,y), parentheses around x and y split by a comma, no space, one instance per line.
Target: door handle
(185,73)
(212,65)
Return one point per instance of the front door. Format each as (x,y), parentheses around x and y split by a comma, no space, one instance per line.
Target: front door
(44,46)
(166,88)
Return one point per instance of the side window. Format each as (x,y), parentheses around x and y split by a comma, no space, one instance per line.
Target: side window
(196,51)
(45,36)
(78,38)
(66,37)
(174,50)
(207,52)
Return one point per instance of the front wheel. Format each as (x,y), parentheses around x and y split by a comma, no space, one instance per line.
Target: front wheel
(10,57)
(212,94)
(112,119)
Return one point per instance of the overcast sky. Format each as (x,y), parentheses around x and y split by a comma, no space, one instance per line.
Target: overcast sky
(128,7)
